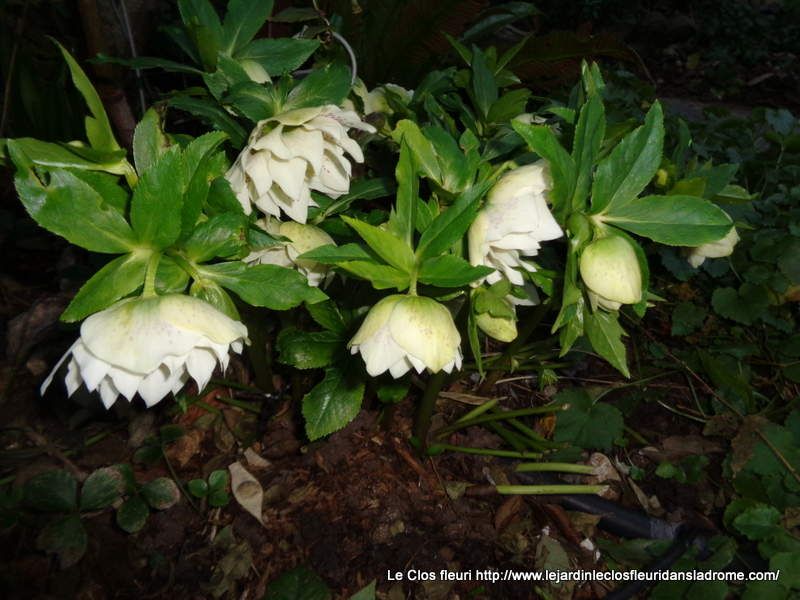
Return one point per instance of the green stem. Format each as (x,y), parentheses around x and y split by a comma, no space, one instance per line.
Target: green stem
(185,264)
(523,333)
(502,416)
(478,411)
(490,452)
(422,423)
(542,490)
(555,467)
(150,276)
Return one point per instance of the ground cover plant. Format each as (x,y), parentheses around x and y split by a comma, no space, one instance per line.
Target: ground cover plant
(316,328)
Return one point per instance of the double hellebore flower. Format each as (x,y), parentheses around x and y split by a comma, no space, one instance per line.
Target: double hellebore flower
(301,238)
(292,153)
(401,332)
(150,345)
(720,248)
(610,269)
(513,222)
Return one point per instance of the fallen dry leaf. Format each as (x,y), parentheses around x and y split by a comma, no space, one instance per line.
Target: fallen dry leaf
(247,490)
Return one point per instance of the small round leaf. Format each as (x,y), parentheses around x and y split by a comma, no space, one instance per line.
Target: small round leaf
(132,515)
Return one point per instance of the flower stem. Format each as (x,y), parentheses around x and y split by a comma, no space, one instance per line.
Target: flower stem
(422,423)
(150,275)
(502,416)
(555,467)
(550,489)
(489,451)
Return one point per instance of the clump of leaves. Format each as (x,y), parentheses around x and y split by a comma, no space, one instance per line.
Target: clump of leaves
(214,489)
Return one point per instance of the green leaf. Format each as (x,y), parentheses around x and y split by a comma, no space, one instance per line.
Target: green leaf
(456,172)
(218,479)
(149,62)
(365,593)
(52,491)
(242,21)
(327,314)
(278,56)
(404,217)
(332,403)
(671,220)
(120,277)
(98,128)
(542,140)
(65,537)
(449,270)
(622,175)
(269,286)
(201,169)
(223,236)
(107,186)
(363,189)
(211,113)
(421,147)
(252,100)
(132,515)
(394,251)
(204,28)
(508,106)
(589,134)
(757,521)
(484,86)
(586,424)
(49,154)
(102,488)
(158,200)
(212,293)
(298,584)
(161,493)
(71,208)
(198,488)
(308,349)
(744,305)
(328,85)
(381,276)
(452,224)
(333,255)
(687,318)
(605,335)
(149,141)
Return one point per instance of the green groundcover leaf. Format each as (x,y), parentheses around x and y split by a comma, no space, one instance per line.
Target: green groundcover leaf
(332,403)
(585,423)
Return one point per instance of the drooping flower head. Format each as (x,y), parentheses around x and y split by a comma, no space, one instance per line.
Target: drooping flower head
(403,332)
(150,346)
(610,269)
(513,223)
(302,238)
(719,249)
(292,153)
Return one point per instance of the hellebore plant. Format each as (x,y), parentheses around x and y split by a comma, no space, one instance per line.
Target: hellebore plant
(491,210)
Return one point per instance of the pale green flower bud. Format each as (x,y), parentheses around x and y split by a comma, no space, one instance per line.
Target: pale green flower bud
(610,269)
(403,332)
(302,238)
(150,346)
(292,153)
(500,328)
(719,249)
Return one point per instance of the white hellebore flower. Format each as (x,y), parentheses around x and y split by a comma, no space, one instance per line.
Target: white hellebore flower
(292,153)
(719,249)
(610,269)
(401,332)
(150,346)
(302,239)
(512,223)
